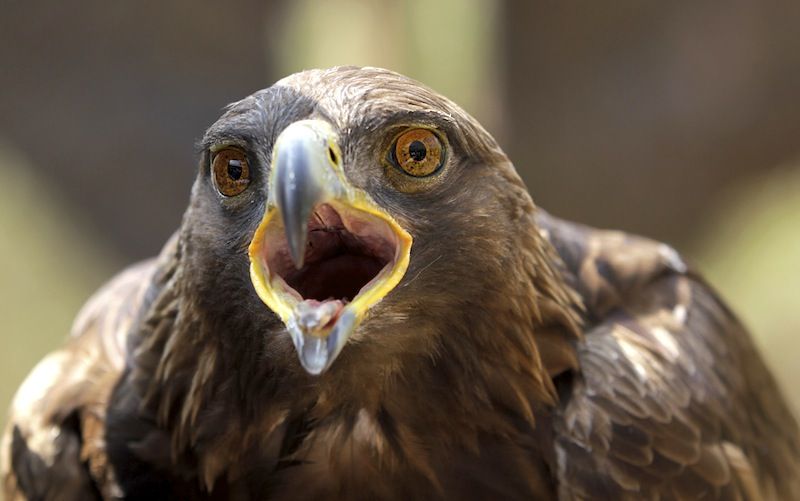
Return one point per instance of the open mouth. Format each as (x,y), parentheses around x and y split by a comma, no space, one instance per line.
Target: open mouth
(325,252)
(350,258)
(342,256)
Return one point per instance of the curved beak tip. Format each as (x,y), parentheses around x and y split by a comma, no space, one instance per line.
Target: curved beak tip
(302,179)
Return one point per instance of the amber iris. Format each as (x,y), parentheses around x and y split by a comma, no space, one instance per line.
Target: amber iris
(418,152)
(231,171)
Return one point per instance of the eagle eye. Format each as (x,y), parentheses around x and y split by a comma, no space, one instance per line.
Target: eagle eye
(418,152)
(231,171)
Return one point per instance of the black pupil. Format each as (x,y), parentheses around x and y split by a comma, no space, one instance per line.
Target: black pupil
(235,169)
(417,151)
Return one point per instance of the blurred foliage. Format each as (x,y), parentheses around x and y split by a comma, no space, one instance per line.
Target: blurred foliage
(49,265)
(751,253)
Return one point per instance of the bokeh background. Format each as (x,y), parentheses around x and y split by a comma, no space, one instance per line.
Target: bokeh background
(677,120)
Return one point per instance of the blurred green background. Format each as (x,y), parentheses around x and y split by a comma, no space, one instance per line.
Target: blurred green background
(676,120)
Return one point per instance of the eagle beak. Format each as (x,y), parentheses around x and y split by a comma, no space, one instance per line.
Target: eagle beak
(331,255)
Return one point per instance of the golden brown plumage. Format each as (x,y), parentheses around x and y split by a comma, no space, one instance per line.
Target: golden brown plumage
(518,356)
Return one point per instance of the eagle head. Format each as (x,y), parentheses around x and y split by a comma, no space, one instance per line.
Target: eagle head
(356,207)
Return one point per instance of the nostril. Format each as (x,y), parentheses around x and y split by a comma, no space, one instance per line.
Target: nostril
(333,156)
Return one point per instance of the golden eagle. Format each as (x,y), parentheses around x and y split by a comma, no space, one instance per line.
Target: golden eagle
(363,302)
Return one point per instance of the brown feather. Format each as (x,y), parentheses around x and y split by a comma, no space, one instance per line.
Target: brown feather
(521,356)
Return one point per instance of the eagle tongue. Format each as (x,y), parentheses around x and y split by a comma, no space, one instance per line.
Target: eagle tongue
(314,316)
(307,326)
